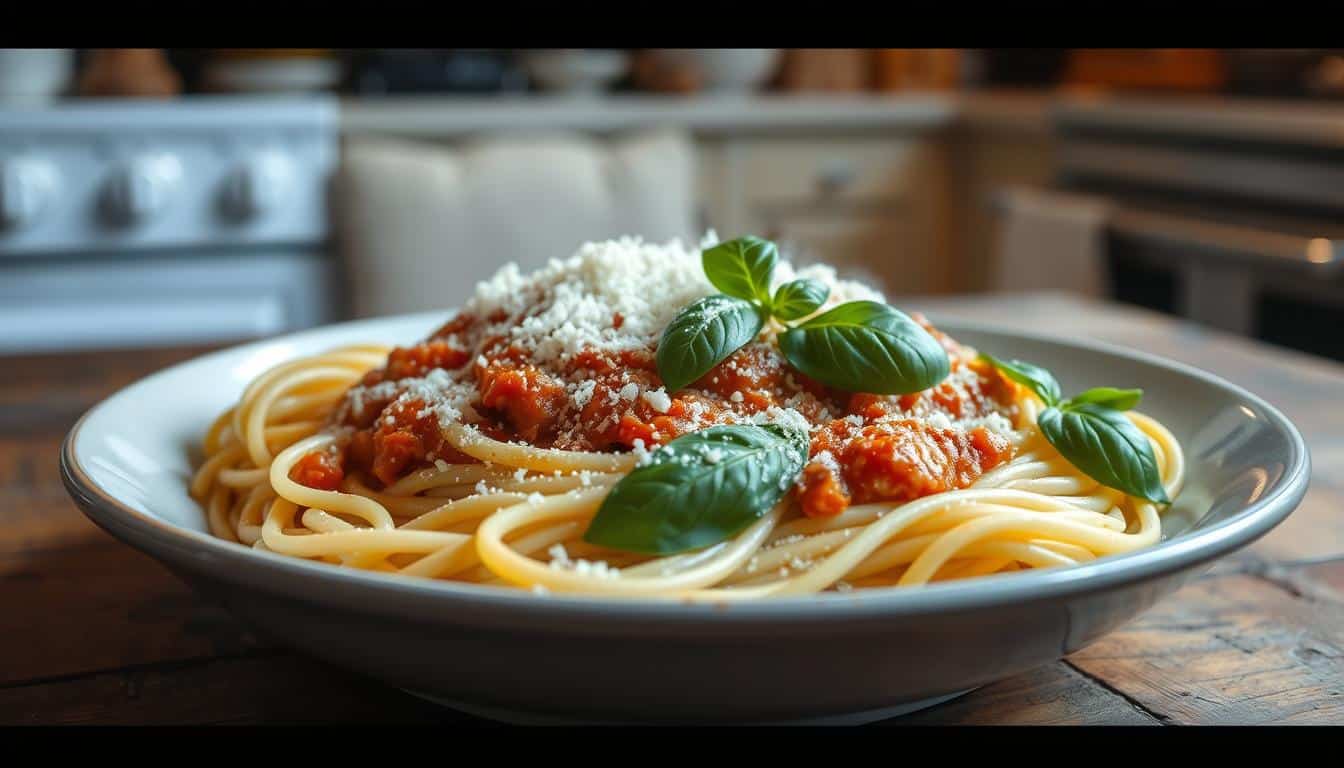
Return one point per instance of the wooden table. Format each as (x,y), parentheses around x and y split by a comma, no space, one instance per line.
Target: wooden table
(92,631)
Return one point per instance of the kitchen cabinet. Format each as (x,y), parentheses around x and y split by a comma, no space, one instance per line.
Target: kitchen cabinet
(875,247)
(887,187)
(1004,141)
(875,207)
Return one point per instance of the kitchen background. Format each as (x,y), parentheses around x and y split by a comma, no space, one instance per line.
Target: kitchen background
(166,197)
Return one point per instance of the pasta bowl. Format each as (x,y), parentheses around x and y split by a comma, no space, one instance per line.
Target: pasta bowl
(834,657)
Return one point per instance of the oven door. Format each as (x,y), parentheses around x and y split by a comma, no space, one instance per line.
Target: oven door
(140,301)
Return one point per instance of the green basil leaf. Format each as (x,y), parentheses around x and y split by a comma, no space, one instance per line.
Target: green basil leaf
(866,346)
(799,298)
(1039,380)
(1107,447)
(703,335)
(741,267)
(700,489)
(1110,397)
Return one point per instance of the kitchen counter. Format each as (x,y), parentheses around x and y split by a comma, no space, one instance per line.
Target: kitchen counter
(445,116)
(438,116)
(95,632)
(1317,124)
(1260,120)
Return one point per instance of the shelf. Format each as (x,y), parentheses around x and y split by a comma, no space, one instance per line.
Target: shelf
(444,116)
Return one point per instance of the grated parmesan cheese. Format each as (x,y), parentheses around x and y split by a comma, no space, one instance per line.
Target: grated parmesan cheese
(784,417)
(642,454)
(559,557)
(646,283)
(827,460)
(658,399)
(583,393)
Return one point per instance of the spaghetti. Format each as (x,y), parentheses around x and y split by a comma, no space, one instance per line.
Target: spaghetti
(482,454)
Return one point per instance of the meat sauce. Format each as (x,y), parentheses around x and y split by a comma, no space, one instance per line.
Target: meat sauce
(864,448)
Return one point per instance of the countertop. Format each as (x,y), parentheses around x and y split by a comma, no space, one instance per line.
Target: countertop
(1030,111)
(95,632)
(1022,111)
(911,112)
(431,116)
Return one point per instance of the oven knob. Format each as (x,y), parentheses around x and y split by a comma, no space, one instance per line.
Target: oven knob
(256,186)
(25,187)
(139,189)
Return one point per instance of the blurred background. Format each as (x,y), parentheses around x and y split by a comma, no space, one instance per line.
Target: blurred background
(153,197)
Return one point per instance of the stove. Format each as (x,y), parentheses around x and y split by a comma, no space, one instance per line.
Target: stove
(1241,230)
(144,223)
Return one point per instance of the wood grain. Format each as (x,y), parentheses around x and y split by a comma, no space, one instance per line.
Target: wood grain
(94,632)
(1055,694)
(1328,576)
(1240,649)
(99,605)
(268,690)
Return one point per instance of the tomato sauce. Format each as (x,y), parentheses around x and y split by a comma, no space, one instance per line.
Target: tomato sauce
(864,448)
(410,362)
(895,460)
(320,469)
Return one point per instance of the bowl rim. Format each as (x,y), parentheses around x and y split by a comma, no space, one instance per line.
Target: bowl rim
(233,562)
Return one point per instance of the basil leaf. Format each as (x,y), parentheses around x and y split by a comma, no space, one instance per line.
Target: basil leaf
(741,267)
(1110,397)
(866,346)
(703,335)
(1107,447)
(1036,378)
(799,298)
(700,489)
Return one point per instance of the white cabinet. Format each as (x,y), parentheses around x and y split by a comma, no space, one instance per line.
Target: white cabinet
(873,206)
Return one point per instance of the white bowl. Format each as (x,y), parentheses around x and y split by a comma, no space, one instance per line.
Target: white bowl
(724,69)
(296,75)
(576,69)
(851,656)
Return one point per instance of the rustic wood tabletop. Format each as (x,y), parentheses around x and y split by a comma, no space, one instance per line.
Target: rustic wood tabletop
(92,631)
